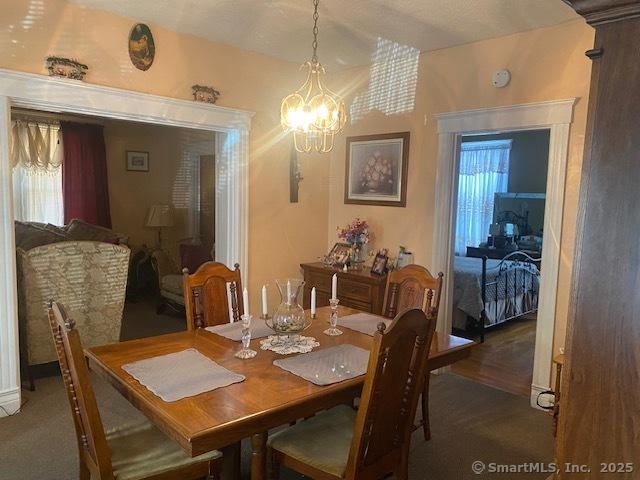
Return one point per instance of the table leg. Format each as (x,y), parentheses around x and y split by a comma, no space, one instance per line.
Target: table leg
(231,461)
(258,456)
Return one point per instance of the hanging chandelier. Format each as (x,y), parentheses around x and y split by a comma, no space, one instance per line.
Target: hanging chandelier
(313,112)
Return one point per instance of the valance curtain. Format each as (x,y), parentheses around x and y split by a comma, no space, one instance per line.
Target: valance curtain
(84,174)
(36,155)
(484,171)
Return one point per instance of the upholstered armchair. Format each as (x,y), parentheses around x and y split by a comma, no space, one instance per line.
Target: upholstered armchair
(169,279)
(90,278)
(169,272)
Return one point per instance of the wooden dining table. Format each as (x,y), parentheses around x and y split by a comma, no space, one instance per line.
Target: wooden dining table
(267,398)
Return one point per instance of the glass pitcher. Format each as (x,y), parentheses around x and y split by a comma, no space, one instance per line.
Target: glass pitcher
(289,318)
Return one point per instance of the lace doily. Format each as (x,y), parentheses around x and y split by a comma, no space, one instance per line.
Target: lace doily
(289,345)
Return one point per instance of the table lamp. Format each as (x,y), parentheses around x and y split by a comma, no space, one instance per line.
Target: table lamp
(159,216)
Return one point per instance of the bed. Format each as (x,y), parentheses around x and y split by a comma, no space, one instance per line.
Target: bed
(490,292)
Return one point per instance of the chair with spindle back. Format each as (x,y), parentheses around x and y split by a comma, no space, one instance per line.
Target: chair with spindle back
(129,453)
(413,286)
(341,443)
(206,296)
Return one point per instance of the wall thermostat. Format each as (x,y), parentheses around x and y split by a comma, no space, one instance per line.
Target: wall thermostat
(501,78)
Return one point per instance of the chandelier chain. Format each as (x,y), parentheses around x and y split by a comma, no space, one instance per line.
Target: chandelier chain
(314,57)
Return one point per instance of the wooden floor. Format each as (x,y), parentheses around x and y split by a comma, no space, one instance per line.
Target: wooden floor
(505,359)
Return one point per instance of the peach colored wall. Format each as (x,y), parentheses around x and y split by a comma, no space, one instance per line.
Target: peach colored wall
(546,64)
(281,235)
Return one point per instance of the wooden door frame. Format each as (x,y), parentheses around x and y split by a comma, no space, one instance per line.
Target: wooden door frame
(231,127)
(554,115)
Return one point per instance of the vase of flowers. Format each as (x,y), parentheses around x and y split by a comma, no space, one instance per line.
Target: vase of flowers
(357,235)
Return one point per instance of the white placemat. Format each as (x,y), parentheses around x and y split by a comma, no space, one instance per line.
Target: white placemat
(332,365)
(181,374)
(233,331)
(366,323)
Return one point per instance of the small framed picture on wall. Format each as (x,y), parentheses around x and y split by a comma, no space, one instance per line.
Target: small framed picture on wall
(137,161)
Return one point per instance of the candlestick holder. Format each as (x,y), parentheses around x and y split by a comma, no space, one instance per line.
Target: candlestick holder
(333,330)
(314,316)
(246,352)
(265,317)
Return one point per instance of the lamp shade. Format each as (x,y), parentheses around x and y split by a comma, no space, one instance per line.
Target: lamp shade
(159,216)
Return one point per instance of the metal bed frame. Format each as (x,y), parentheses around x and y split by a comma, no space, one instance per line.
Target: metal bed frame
(508,269)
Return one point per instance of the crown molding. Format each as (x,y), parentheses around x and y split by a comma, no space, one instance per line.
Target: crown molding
(29,90)
(597,12)
(510,117)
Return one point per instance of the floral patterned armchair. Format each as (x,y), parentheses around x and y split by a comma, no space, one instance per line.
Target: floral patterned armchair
(88,277)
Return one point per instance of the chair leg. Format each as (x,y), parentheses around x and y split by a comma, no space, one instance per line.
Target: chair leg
(85,474)
(274,473)
(426,427)
(214,471)
(403,469)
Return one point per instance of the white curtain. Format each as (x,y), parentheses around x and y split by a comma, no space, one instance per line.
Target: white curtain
(484,171)
(36,155)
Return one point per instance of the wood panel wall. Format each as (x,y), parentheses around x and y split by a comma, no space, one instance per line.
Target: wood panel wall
(599,425)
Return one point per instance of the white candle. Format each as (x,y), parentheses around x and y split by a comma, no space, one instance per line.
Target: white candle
(245,301)
(313,301)
(288,292)
(264,301)
(334,287)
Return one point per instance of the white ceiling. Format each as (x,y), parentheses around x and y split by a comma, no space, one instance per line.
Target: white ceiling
(349,29)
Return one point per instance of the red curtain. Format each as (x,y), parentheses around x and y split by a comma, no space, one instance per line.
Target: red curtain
(84,174)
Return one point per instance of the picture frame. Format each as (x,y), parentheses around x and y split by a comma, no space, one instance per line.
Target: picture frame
(339,254)
(376,169)
(137,161)
(379,266)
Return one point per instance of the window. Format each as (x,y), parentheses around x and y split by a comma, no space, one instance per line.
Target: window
(36,156)
(484,171)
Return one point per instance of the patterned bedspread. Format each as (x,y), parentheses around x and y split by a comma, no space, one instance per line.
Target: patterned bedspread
(503,283)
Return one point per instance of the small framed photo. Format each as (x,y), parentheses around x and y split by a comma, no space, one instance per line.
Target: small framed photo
(339,254)
(379,266)
(376,171)
(137,161)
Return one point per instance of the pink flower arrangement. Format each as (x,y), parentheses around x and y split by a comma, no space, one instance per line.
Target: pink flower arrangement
(357,232)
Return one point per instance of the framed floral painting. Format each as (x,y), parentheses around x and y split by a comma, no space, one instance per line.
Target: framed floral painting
(377,167)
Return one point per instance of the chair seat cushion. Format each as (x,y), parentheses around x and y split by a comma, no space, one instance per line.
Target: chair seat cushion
(142,451)
(322,442)
(172,283)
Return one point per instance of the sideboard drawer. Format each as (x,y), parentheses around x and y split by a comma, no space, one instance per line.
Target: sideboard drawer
(318,280)
(354,290)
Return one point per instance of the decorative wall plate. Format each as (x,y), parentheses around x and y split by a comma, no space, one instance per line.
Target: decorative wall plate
(66,68)
(142,49)
(202,93)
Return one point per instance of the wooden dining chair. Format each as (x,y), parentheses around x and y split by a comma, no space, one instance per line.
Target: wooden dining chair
(134,452)
(413,286)
(341,443)
(206,297)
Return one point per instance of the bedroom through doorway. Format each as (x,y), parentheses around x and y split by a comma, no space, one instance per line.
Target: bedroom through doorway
(498,236)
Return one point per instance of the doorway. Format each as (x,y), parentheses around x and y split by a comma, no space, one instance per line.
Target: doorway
(498,238)
(555,115)
(48,94)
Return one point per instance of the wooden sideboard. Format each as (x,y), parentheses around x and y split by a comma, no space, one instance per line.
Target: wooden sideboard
(356,288)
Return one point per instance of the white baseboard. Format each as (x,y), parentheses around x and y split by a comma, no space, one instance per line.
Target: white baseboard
(535,391)
(10,402)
